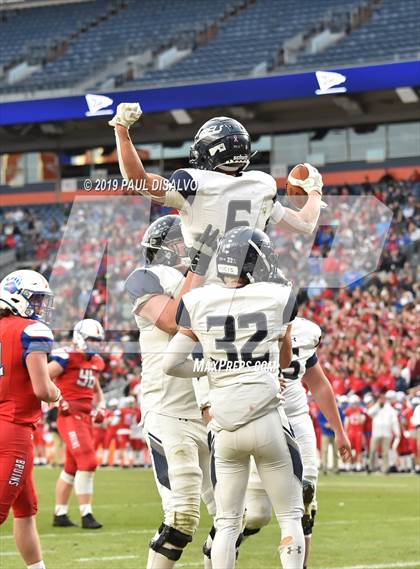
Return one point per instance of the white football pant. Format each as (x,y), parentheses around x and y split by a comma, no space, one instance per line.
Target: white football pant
(268,439)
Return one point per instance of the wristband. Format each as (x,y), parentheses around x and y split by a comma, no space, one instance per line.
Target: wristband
(58,395)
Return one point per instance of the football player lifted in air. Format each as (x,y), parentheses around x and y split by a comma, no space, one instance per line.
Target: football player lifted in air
(76,371)
(171,418)
(243,327)
(25,340)
(306,336)
(217,189)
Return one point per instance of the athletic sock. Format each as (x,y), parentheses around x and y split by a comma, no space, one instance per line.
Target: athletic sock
(38,565)
(61,510)
(85,509)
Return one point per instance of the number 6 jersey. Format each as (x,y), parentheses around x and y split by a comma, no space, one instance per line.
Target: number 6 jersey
(224,201)
(239,330)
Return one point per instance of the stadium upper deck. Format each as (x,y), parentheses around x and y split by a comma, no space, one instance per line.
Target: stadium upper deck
(126,43)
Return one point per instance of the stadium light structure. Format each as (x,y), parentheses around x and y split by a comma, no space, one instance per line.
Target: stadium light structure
(407,95)
(181,116)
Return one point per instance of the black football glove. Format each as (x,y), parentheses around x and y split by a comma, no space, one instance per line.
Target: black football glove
(202,250)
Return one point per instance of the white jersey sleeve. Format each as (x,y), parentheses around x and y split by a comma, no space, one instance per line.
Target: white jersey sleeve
(36,337)
(306,336)
(141,285)
(61,356)
(277,212)
(161,393)
(181,187)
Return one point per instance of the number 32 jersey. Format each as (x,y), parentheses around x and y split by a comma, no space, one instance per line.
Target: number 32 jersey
(208,197)
(239,330)
(78,379)
(306,336)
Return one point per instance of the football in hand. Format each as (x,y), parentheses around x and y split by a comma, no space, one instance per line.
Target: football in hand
(297,195)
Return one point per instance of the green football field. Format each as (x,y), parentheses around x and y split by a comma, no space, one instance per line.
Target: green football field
(363,522)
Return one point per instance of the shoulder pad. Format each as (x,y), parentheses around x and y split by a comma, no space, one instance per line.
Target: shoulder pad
(262,177)
(307,333)
(61,356)
(142,282)
(38,330)
(184,182)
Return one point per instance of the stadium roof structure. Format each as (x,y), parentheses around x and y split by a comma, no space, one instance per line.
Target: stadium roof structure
(350,96)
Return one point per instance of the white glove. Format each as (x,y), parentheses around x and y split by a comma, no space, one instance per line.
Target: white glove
(312,183)
(127,114)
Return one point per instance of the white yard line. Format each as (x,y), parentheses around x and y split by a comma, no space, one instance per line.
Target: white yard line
(397,565)
(13,553)
(108,558)
(88,534)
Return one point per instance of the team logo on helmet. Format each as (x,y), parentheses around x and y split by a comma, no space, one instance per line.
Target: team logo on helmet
(12,284)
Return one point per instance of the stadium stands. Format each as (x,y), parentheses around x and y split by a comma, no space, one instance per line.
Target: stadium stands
(362,320)
(392,34)
(74,43)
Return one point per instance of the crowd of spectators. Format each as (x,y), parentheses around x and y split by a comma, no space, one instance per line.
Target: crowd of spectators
(369,327)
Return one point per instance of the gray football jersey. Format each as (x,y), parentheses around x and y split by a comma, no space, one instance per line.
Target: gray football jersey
(208,197)
(160,392)
(239,330)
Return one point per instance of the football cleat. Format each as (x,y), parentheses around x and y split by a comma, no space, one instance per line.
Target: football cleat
(63,521)
(89,522)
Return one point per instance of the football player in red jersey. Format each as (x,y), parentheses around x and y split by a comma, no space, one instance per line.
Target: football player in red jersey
(112,419)
(76,371)
(25,340)
(354,425)
(129,416)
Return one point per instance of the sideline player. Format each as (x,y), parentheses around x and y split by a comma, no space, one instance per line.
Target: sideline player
(112,419)
(76,370)
(25,304)
(172,422)
(306,336)
(240,324)
(354,425)
(129,416)
(217,189)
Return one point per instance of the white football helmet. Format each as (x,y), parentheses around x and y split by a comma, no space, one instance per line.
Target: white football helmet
(354,399)
(368,399)
(27,293)
(85,330)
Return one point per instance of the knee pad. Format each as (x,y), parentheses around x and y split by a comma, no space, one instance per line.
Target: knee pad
(258,510)
(66,477)
(171,536)
(308,490)
(208,543)
(83,482)
(257,518)
(248,531)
